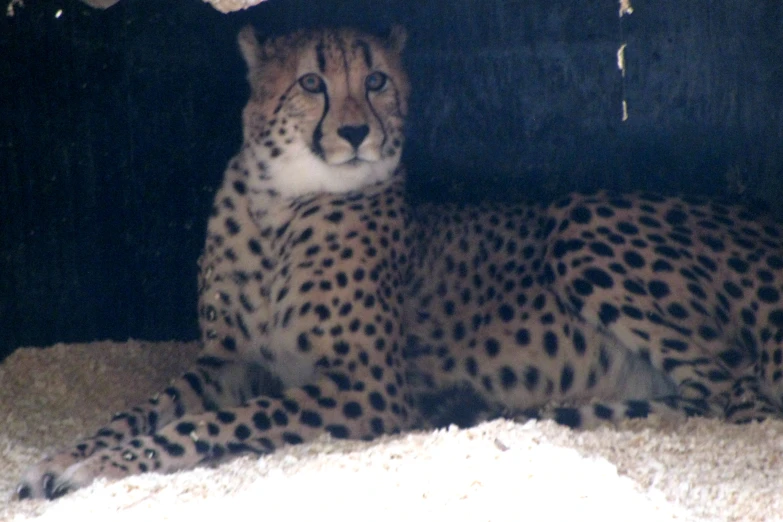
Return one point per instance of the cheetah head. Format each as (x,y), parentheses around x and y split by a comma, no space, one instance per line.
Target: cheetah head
(326,109)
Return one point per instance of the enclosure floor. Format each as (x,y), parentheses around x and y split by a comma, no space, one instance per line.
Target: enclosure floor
(700,470)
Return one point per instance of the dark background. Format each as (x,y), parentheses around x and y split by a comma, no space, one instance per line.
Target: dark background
(116,126)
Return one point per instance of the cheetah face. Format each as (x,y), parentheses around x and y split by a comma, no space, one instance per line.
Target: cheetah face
(326,110)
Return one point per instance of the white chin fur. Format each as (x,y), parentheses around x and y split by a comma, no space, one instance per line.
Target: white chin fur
(298,171)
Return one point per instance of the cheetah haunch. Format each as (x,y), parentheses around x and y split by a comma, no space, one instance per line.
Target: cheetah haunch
(328,305)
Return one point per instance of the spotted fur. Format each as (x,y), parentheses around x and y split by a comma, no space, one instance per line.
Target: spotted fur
(329,305)
(654,304)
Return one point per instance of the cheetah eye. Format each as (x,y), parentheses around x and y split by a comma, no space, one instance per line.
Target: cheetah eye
(375,81)
(311,82)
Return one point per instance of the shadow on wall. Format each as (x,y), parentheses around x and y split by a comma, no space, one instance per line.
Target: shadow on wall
(119,124)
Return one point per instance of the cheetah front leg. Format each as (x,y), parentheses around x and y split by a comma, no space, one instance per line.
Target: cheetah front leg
(331,406)
(206,386)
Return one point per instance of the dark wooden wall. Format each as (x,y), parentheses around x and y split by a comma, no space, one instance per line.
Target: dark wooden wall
(115,127)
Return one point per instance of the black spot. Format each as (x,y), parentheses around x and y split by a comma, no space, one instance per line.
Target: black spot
(551,344)
(733,290)
(714,243)
(303,343)
(632,312)
(633,259)
(658,289)
(649,222)
(604,212)
(232,227)
(775,262)
(559,249)
(608,313)
(667,251)
(334,217)
(304,236)
(599,277)
(242,432)
(185,428)
(506,312)
(662,266)
(345,309)
(768,294)
(173,449)
(765,275)
(323,312)
(522,337)
(566,378)
(492,346)
(638,409)
(261,421)
(290,406)
(225,417)
(531,378)
(677,311)
(707,333)
(570,417)
(582,287)
(508,379)
(603,412)
(634,287)
(776,318)
(292,438)
(377,426)
(580,346)
(471,366)
(310,418)
(459,331)
(675,217)
(254,246)
(601,249)
(280,417)
(377,401)
(626,228)
(675,344)
(327,402)
(352,410)
(338,431)
(697,290)
(680,238)
(738,265)
(581,214)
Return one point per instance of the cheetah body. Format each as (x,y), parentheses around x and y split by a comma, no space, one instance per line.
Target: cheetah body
(620,298)
(329,305)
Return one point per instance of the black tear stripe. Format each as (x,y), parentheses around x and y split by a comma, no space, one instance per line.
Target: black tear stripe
(377,118)
(366,52)
(318,133)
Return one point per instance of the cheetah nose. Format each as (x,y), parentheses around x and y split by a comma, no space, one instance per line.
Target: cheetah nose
(353,134)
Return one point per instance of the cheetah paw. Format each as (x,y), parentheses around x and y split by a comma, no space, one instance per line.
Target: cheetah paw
(41,481)
(50,479)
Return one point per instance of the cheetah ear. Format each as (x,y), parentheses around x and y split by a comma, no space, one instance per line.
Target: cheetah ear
(251,50)
(397,38)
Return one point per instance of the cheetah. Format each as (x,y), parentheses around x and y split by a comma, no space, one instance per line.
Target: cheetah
(330,305)
(301,278)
